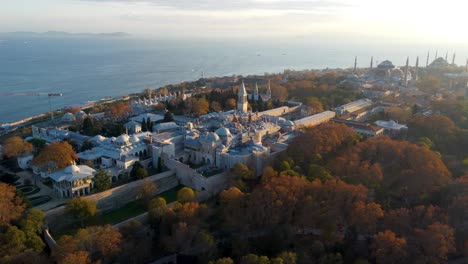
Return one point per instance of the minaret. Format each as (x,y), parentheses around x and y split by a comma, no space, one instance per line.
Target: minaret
(416,69)
(406,72)
(446,56)
(355,64)
(436,54)
(466,68)
(255,92)
(242,99)
(268,91)
(453,58)
(427,60)
(371,62)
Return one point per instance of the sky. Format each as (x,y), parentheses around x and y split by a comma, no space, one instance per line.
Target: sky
(389,20)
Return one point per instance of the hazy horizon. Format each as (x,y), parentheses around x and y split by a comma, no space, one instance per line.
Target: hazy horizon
(400,21)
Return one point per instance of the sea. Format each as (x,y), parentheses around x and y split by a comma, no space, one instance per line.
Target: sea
(90,68)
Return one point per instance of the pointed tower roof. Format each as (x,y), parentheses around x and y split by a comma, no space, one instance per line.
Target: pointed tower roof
(242,90)
(268,92)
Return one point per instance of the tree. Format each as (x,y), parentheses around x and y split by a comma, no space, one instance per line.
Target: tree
(254,259)
(105,240)
(288,257)
(185,195)
(323,142)
(200,106)
(91,244)
(11,205)
(15,147)
(268,173)
(278,91)
(80,257)
(147,189)
(387,248)
(433,244)
(315,104)
(88,127)
(81,208)
(144,127)
(222,261)
(168,117)
(31,225)
(119,110)
(149,124)
(395,168)
(55,156)
(12,243)
(157,208)
(230,103)
(102,180)
(215,106)
(38,144)
(87,145)
(138,171)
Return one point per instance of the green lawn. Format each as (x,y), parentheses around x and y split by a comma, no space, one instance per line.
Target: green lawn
(125,212)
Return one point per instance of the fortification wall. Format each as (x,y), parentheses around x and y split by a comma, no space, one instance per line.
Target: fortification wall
(113,198)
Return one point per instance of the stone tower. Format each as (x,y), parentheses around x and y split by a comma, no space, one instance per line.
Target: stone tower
(242,99)
(406,72)
(268,91)
(255,93)
(416,69)
(355,64)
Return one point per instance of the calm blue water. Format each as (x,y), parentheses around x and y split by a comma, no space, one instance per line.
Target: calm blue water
(92,68)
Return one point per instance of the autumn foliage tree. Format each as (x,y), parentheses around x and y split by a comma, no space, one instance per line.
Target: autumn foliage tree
(96,243)
(119,110)
(15,146)
(398,169)
(320,142)
(57,155)
(387,248)
(11,204)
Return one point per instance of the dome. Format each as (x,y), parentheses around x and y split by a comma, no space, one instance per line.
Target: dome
(72,169)
(80,114)
(386,65)
(223,132)
(122,139)
(99,138)
(439,63)
(134,139)
(352,77)
(212,137)
(68,117)
(289,123)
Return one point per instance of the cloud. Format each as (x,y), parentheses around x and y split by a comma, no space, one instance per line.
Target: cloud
(233,5)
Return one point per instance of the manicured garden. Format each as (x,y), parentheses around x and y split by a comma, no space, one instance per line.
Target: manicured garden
(28,190)
(125,212)
(38,200)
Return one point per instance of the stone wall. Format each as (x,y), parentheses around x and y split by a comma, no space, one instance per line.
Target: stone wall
(191,178)
(113,198)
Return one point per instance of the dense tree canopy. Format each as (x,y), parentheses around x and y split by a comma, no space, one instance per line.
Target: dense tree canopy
(11,205)
(102,180)
(55,156)
(400,168)
(15,146)
(81,208)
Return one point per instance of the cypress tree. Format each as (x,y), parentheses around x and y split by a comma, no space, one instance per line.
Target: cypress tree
(149,125)
(144,128)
